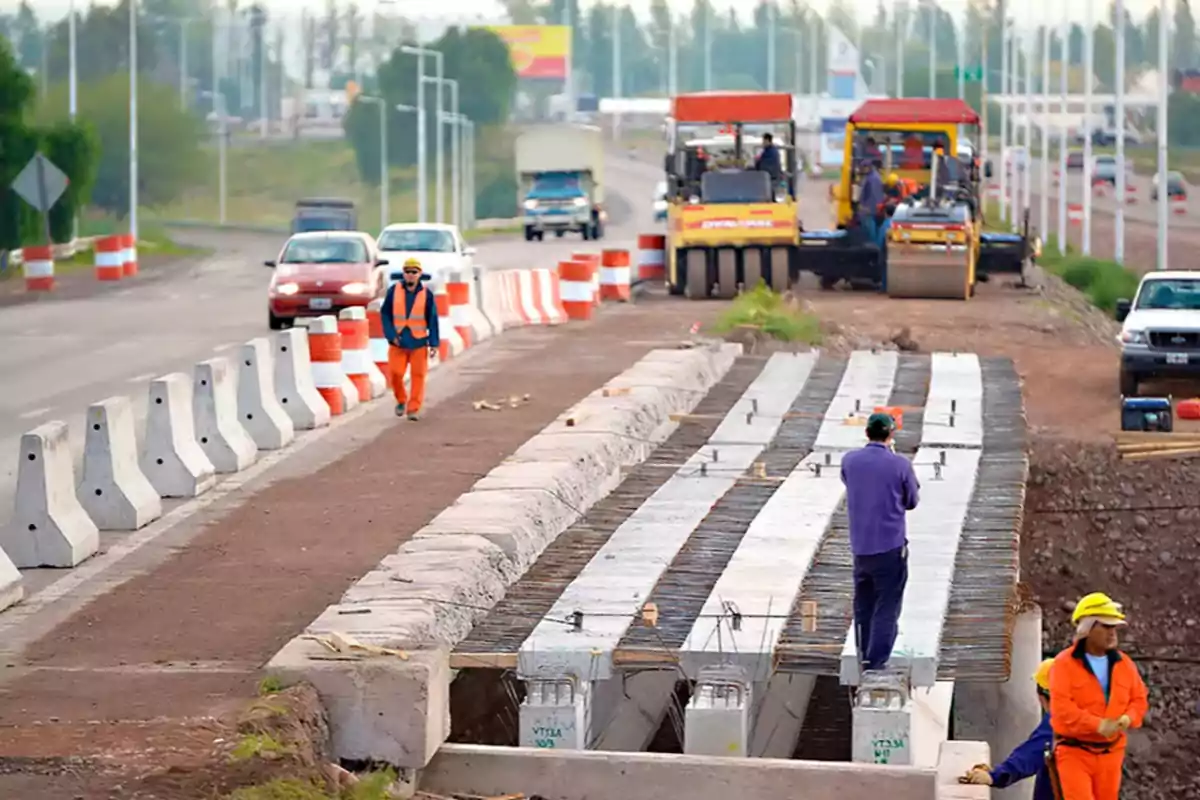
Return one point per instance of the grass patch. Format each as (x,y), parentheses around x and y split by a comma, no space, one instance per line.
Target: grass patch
(1102,282)
(371,786)
(771,313)
(270,685)
(259,745)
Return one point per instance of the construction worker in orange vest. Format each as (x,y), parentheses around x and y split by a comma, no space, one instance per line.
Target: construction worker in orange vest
(411,329)
(1096,694)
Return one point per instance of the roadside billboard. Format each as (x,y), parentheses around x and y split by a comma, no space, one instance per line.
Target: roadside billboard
(537,51)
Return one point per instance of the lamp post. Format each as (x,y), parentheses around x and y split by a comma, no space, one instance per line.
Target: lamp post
(422,132)
(1163,91)
(441,147)
(384,189)
(133,127)
(1119,227)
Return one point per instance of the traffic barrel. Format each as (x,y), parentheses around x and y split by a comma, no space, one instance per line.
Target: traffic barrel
(1179,205)
(109,256)
(378,345)
(575,282)
(37,265)
(458,293)
(356,342)
(652,257)
(325,352)
(129,252)
(1075,213)
(614,275)
(445,328)
(592,259)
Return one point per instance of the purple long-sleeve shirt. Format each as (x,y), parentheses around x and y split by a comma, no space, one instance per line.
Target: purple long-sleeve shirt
(880,488)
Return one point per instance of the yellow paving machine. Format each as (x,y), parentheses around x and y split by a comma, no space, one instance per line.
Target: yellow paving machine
(730,224)
(930,240)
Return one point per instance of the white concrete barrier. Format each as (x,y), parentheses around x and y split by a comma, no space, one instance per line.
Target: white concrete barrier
(49,527)
(489,298)
(113,490)
(294,387)
(215,413)
(11,590)
(349,394)
(258,409)
(171,457)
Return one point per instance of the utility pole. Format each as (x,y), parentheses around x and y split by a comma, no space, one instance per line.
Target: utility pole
(133,121)
(616,66)
(931,10)
(1006,93)
(1044,204)
(901,30)
(772,21)
(1027,178)
(672,59)
(708,42)
(985,77)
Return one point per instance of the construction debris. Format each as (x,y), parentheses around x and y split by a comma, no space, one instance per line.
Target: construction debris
(1140,446)
(344,647)
(513,401)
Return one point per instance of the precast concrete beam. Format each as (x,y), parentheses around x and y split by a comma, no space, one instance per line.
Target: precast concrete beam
(634,704)
(780,715)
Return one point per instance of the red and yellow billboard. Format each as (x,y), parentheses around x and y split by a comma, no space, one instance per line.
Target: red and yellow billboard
(537,51)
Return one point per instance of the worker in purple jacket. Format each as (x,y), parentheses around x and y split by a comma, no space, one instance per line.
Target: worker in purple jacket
(881,488)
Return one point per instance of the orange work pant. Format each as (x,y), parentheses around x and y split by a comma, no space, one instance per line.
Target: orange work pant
(399,360)
(1089,776)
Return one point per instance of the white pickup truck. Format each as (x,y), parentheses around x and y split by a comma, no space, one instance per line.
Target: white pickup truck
(1160,329)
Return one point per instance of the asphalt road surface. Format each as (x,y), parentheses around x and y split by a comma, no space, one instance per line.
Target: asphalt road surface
(60,354)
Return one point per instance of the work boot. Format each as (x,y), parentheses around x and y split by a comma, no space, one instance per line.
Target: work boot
(414,416)
(399,409)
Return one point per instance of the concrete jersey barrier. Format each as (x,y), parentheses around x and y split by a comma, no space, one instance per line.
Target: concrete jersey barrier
(113,489)
(171,457)
(460,564)
(215,415)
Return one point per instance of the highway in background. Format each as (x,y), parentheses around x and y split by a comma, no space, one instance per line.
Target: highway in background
(60,355)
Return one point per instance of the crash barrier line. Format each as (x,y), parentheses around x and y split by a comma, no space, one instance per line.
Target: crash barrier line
(652,257)
(614,275)
(1179,205)
(458,291)
(514,311)
(575,284)
(547,297)
(109,258)
(527,298)
(377,346)
(325,352)
(594,260)
(131,259)
(356,342)
(37,263)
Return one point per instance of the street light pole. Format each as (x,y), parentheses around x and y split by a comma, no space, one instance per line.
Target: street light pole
(931,10)
(222,166)
(1119,227)
(455,171)
(1044,204)
(133,123)
(422,129)
(384,177)
(1064,43)
(900,31)
(72,69)
(1089,66)
(1163,44)
(1005,92)
(772,22)
(183,63)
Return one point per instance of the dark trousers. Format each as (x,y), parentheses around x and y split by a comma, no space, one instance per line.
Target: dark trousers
(879,582)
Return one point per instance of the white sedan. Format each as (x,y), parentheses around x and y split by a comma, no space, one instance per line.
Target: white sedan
(439,247)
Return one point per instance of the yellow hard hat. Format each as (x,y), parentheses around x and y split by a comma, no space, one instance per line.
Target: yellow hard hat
(1097,604)
(892,179)
(1042,676)
(411,263)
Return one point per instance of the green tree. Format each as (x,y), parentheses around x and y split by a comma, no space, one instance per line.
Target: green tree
(170,158)
(75,149)
(1185,36)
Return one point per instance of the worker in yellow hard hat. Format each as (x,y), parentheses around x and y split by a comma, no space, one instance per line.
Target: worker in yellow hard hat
(1029,759)
(410,325)
(1096,694)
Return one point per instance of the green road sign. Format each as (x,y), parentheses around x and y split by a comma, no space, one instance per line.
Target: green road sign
(970,74)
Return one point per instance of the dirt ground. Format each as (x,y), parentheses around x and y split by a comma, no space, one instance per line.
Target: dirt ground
(154,674)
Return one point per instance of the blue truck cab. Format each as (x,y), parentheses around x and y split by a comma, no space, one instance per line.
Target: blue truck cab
(560,172)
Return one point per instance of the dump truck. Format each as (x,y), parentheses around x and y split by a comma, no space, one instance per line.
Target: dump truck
(324,214)
(730,225)
(936,246)
(560,175)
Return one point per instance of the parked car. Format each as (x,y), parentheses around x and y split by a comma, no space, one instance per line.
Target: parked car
(1075,160)
(439,247)
(1160,329)
(1176,186)
(322,272)
(1104,169)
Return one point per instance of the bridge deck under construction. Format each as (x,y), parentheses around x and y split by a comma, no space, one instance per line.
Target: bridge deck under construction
(730,543)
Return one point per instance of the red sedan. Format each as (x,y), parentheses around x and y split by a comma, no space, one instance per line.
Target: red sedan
(322,272)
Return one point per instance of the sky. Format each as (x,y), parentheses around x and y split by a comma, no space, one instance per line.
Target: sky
(1036,11)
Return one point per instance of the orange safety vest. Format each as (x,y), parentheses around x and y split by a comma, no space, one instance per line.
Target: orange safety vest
(414,321)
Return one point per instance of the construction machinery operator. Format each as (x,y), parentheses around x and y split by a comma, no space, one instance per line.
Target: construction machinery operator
(1096,694)
(1030,758)
(410,324)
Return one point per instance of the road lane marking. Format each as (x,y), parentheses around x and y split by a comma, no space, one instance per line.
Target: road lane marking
(37,412)
(221,348)
(145,376)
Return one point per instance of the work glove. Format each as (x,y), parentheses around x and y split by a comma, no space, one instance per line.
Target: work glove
(1123,722)
(979,775)
(433,351)
(1108,728)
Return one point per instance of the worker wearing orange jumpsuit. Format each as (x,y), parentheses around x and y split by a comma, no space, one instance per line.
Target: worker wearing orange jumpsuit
(410,325)
(1096,694)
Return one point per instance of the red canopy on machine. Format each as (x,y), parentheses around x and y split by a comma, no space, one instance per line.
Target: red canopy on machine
(715,108)
(935,111)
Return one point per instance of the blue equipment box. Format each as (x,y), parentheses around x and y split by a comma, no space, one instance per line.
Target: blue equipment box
(1147,414)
